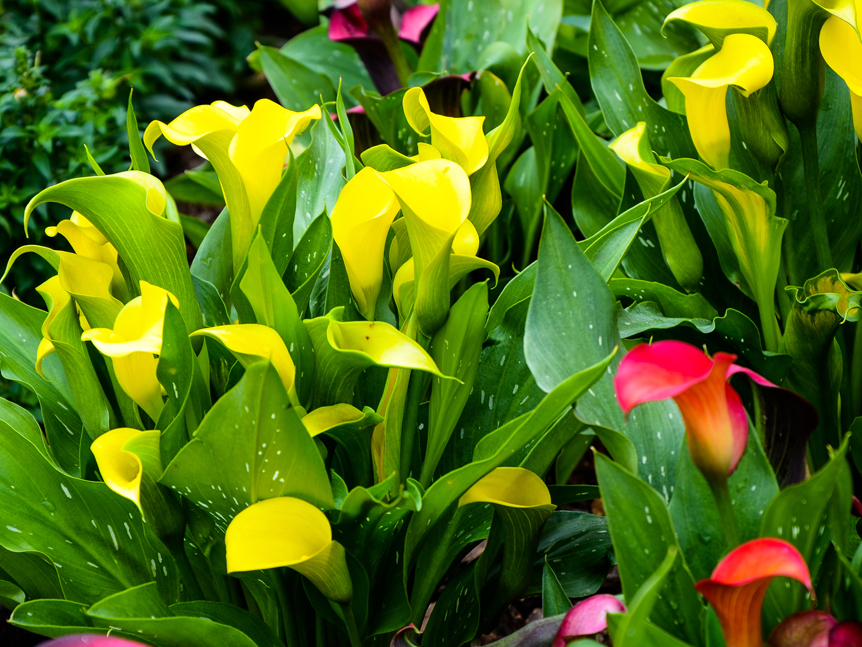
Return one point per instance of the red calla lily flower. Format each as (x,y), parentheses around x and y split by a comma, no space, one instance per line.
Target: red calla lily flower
(588,617)
(845,634)
(739,583)
(715,420)
(90,640)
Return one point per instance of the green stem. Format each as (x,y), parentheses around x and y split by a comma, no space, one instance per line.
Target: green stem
(784,303)
(811,165)
(350,623)
(721,494)
(289,629)
(187,574)
(856,372)
(771,332)
(393,48)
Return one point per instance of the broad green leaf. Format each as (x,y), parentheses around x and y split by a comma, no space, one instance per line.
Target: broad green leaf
(276,220)
(482,24)
(251,446)
(695,516)
(456,349)
(20,334)
(196,187)
(617,82)
(554,598)
(819,307)
(152,248)
(571,323)
(96,539)
(516,290)
(273,306)
(36,576)
(445,491)
(673,303)
(296,85)
(213,260)
(194,229)
(11,595)
(642,531)
(320,179)
(798,515)
(307,261)
(387,117)
(577,546)
(55,618)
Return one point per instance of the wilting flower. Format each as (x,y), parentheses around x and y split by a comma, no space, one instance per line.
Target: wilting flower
(247,149)
(133,344)
(587,618)
(715,420)
(286,531)
(739,583)
(816,629)
(842,51)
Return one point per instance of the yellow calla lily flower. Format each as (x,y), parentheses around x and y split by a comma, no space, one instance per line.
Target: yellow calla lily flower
(134,342)
(361,219)
(435,200)
(251,343)
(842,51)
(121,469)
(718,18)
(513,487)
(743,62)
(290,532)
(247,149)
(56,298)
(847,10)
(88,242)
(459,139)
(325,418)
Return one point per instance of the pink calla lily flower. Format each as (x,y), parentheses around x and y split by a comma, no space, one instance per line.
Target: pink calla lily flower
(587,618)
(739,583)
(715,421)
(816,629)
(90,640)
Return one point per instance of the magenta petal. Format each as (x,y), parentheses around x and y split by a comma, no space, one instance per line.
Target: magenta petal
(659,371)
(348,23)
(587,617)
(846,634)
(762,381)
(90,640)
(416,20)
(803,629)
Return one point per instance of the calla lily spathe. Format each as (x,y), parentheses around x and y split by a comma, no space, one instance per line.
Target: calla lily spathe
(133,344)
(247,149)
(739,583)
(587,618)
(745,63)
(842,51)
(459,139)
(290,532)
(715,420)
(716,19)
(251,343)
(120,468)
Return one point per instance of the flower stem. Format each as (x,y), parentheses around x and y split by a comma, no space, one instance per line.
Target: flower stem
(817,219)
(393,48)
(350,622)
(721,494)
(771,332)
(856,372)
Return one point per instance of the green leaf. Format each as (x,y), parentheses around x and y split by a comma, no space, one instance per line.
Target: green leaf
(194,229)
(152,248)
(251,446)
(140,161)
(482,24)
(319,169)
(456,350)
(387,116)
(797,515)
(94,537)
(213,260)
(618,85)
(297,86)
(695,516)
(554,598)
(446,490)
(307,261)
(571,323)
(642,532)
(10,595)
(578,548)
(273,306)
(196,187)
(20,334)
(516,290)
(33,573)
